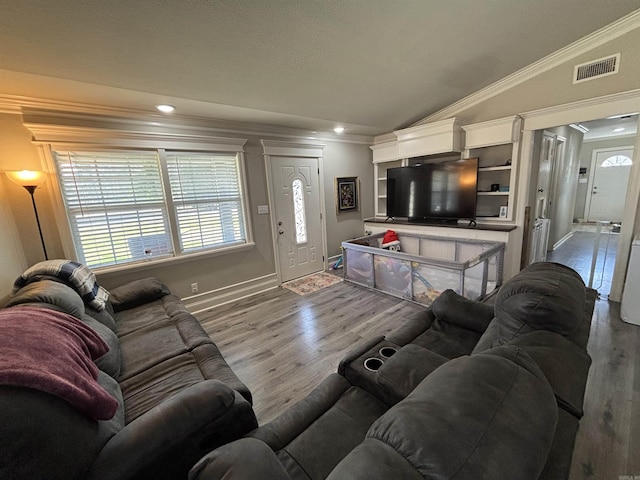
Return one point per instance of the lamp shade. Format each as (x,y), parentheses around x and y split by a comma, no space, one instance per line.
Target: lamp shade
(27,178)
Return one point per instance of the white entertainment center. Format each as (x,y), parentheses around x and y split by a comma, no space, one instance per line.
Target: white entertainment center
(495,143)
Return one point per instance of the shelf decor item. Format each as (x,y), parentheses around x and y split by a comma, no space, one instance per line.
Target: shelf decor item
(347,194)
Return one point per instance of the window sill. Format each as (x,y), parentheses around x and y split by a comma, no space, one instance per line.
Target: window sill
(167,261)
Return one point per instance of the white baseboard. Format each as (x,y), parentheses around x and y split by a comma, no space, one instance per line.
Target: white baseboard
(562,240)
(332,260)
(215,298)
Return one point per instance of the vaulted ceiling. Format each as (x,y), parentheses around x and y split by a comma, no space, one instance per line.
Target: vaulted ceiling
(370,65)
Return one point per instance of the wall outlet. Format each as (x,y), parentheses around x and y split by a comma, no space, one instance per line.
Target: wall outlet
(194,287)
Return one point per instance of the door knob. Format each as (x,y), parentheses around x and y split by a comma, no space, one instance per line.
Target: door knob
(279,224)
(541,190)
(280,232)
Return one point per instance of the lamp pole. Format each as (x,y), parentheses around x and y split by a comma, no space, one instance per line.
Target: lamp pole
(31,189)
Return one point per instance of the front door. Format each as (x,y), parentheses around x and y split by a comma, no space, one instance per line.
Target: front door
(296,196)
(611,171)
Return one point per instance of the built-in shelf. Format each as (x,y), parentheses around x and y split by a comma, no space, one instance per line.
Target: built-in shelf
(444,136)
(429,139)
(380,174)
(494,169)
(495,144)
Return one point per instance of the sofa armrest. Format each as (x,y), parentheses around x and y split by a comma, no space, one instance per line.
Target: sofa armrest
(245,459)
(297,418)
(413,326)
(356,352)
(137,293)
(184,422)
(401,373)
(458,310)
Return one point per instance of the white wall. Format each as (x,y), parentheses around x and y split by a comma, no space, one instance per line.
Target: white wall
(12,261)
(212,273)
(347,160)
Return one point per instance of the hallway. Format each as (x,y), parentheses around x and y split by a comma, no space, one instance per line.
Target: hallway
(577,253)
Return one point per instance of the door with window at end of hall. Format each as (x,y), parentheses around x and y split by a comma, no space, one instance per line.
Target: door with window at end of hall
(296,189)
(611,170)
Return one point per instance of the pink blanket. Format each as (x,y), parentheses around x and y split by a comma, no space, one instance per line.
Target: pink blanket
(52,352)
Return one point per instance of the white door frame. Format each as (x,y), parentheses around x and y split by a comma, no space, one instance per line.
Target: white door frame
(296,150)
(592,174)
(582,111)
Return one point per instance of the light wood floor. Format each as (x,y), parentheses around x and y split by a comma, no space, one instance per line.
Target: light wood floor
(608,442)
(282,345)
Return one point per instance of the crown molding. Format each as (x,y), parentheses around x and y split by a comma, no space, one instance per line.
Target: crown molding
(492,132)
(85,129)
(63,135)
(582,110)
(629,136)
(292,149)
(387,137)
(598,38)
(21,105)
(14,104)
(629,95)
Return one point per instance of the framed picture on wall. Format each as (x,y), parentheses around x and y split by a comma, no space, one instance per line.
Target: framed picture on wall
(347,194)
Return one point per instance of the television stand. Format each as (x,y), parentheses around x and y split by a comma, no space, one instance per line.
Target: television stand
(509,234)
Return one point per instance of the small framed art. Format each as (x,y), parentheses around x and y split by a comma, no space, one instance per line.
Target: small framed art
(347,194)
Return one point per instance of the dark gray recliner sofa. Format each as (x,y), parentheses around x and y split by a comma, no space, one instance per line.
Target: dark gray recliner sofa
(420,414)
(177,396)
(492,416)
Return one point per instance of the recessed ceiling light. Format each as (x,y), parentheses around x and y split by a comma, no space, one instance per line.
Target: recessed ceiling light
(338,129)
(166,108)
(619,129)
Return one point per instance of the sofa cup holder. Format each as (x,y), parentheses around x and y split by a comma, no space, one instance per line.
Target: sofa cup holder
(387,352)
(372,364)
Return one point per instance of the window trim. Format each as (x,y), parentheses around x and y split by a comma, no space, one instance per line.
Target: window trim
(160,145)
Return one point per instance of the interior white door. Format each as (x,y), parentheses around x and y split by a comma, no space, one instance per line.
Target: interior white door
(543,188)
(609,186)
(296,196)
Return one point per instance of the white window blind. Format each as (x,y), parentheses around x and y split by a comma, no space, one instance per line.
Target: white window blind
(207,198)
(115,205)
(119,211)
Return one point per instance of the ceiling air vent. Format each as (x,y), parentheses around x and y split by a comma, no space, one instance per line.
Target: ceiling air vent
(596,68)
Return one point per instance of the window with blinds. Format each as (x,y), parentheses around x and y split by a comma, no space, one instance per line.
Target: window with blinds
(121,205)
(207,199)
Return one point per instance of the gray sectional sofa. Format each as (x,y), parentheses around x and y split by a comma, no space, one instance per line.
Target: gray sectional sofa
(466,390)
(176,397)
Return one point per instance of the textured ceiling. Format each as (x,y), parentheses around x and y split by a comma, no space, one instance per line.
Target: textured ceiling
(372,65)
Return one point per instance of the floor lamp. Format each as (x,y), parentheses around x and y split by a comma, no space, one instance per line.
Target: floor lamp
(30,180)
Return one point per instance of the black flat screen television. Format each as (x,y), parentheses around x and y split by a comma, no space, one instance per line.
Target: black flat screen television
(433,192)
